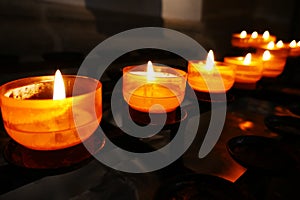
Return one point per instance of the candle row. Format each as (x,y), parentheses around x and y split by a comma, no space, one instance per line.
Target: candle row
(245,40)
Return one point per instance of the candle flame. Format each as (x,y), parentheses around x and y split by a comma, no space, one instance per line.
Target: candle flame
(150,71)
(293,44)
(279,44)
(266,35)
(243,34)
(59,91)
(298,44)
(247,59)
(266,55)
(271,45)
(254,35)
(210,60)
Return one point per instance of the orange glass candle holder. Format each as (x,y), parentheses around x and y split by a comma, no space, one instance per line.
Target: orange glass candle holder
(33,119)
(244,39)
(211,77)
(294,48)
(143,89)
(272,65)
(276,50)
(246,72)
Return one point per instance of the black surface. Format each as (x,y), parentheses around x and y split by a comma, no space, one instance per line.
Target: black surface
(264,154)
(199,186)
(287,126)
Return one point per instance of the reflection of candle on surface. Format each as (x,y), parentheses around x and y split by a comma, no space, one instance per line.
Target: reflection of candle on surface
(272,65)
(146,86)
(210,76)
(251,40)
(294,48)
(39,118)
(248,70)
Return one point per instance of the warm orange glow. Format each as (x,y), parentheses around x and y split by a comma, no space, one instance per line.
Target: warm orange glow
(266,55)
(210,61)
(59,91)
(293,44)
(254,35)
(271,45)
(243,34)
(47,124)
(247,59)
(298,44)
(279,44)
(266,35)
(163,86)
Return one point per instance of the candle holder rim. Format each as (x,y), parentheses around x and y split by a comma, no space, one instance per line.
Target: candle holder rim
(179,73)
(45,78)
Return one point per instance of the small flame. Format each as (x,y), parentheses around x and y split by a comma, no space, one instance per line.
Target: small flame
(247,59)
(279,44)
(243,34)
(266,35)
(266,56)
(210,61)
(271,45)
(293,44)
(59,91)
(298,44)
(150,72)
(254,35)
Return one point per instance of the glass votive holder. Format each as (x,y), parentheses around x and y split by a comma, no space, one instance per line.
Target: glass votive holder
(164,87)
(33,119)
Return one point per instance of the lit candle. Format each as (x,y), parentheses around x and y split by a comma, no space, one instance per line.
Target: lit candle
(144,87)
(251,40)
(294,48)
(278,50)
(210,76)
(248,70)
(272,65)
(39,113)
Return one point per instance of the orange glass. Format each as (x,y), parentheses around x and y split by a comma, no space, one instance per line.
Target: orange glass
(217,80)
(167,88)
(32,118)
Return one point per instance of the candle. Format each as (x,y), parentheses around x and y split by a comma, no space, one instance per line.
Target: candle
(248,70)
(251,40)
(145,87)
(278,50)
(39,118)
(294,48)
(210,76)
(272,65)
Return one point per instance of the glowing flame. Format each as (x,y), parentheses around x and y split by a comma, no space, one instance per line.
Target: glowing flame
(210,61)
(266,56)
(266,35)
(59,91)
(298,44)
(243,34)
(279,44)
(254,35)
(247,59)
(293,44)
(150,72)
(271,45)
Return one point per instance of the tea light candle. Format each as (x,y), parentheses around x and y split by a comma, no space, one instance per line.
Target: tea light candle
(210,76)
(39,118)
(251,40)
(248,70)
(272,65)
(146,86)
(294,48)
(279,50)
